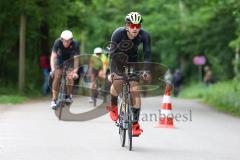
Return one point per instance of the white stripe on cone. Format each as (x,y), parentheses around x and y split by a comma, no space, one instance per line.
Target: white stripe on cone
(166,113)
(166,99)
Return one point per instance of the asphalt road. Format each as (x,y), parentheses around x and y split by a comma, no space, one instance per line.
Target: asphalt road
(31,131)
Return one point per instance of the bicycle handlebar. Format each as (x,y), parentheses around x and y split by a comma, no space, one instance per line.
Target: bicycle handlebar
(132,77)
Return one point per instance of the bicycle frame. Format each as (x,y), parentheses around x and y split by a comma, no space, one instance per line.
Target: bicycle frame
(126,115)
(125,101)
(62,91)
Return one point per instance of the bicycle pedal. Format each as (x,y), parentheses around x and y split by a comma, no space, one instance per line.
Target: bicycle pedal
(117,124)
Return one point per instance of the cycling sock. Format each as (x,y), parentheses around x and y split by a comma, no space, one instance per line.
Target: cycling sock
(114,100)
(136,113)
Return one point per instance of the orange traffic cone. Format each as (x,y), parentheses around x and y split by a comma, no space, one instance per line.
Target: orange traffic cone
(166,116)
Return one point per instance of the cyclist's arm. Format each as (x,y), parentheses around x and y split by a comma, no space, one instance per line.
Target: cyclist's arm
(53,58)
(76,64)
(115,40)
(76,59)
(104,67)
(90,65)
(147,47)
(147,50)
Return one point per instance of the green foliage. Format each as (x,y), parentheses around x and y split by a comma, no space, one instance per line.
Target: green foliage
(194,90)
(180,30)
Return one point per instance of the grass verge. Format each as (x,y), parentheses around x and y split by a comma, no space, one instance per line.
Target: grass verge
(224,96)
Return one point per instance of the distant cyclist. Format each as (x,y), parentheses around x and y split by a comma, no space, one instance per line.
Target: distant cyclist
(105,73)
(105,60)
(95,66)
(64,50)
(127,39)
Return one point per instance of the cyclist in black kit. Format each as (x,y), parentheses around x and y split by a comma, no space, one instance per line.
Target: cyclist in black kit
(65,50)
(126,40)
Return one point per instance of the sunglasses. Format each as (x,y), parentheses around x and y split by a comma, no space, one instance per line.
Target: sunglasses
(132,26)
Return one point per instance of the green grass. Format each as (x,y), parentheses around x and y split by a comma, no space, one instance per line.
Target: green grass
(10,95)
(12,99)
(193,91)
(224,96)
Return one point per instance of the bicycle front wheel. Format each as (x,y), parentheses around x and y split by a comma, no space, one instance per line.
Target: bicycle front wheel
(129,129)
(122,133)
(61,105)
(122,129)
(61,98)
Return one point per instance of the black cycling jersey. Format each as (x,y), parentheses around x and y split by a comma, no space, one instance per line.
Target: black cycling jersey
(63,53)
(120,43)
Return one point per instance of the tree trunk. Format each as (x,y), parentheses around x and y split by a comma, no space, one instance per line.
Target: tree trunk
(82,43)
(21,73)
(236,64)
(44,30)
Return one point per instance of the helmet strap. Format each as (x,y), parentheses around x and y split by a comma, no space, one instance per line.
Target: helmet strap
(126,27)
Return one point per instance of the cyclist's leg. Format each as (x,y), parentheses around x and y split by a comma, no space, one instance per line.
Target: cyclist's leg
(136,100)
(93,79)
(136,107)
(101,77)
(115,88)
(56,82)
(114,91)
(69,81)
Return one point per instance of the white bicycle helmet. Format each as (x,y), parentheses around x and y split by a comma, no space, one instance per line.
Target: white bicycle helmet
(66,35)
(134,18)
(97,50)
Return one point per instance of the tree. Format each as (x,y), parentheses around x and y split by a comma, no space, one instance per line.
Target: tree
(21,74)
